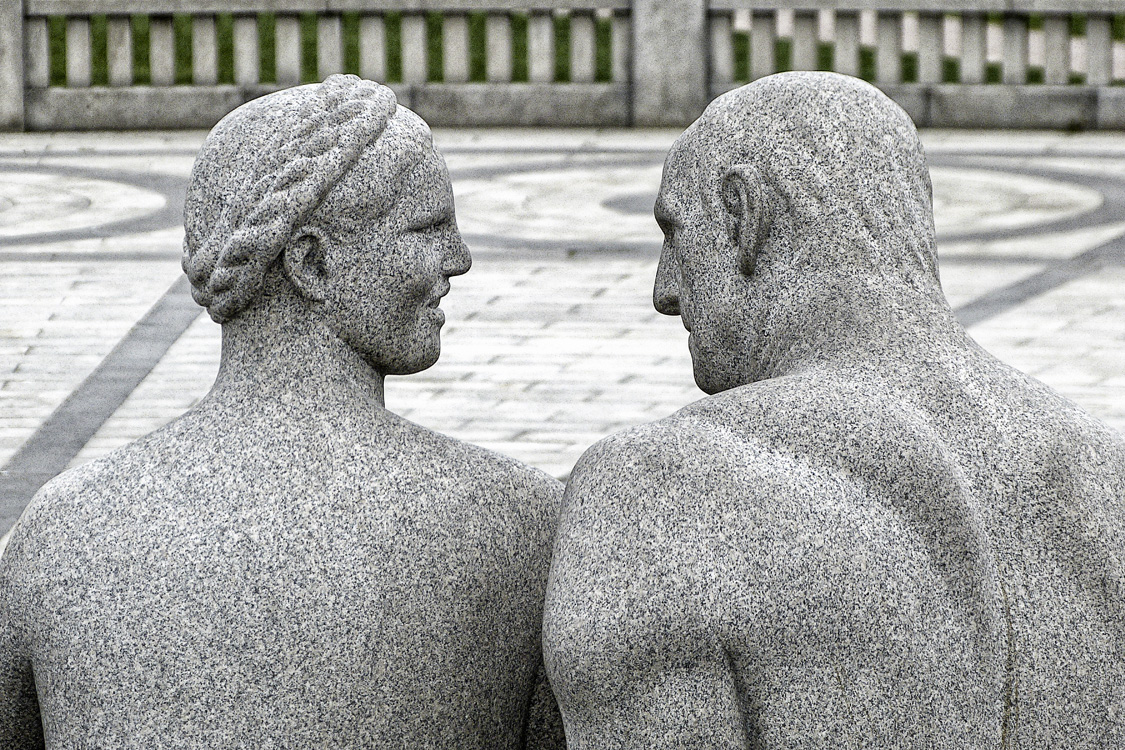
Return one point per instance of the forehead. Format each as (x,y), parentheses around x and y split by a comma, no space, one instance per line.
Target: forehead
(380,184)
(679,184)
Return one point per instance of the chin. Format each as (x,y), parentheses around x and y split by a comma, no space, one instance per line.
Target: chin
(712,380)
(705,377)
(413,366)
(421,357)
(709,386)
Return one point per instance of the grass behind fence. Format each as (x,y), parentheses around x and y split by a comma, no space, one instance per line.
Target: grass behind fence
(182,30)
(267,53)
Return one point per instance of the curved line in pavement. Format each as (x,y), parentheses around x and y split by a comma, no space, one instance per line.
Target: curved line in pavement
(170,187)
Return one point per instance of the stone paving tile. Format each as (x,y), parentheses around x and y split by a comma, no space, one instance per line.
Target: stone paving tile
(964,282)
(1014,200)
(177,382)
(1072,338)
(68,202)
(67,317)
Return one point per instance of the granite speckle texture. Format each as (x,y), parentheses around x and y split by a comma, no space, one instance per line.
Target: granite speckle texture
(290,564)
(872,533)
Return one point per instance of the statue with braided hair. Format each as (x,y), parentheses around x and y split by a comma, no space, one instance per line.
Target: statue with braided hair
(290,564)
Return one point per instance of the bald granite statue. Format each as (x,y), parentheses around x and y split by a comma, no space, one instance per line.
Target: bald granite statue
(871,534)
(289,564)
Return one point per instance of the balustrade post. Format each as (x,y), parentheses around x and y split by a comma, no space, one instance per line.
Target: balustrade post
(669,81)
(11,65)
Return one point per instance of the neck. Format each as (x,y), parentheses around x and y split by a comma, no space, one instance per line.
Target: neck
(280,351)
(869,326)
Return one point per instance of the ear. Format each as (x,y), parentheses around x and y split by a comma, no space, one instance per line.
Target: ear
(305,264)
(745,201)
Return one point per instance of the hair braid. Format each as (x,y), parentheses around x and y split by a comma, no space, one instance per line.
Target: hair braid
(332,128)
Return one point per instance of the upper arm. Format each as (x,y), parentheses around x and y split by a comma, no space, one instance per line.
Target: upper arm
(630,645)
(20,724)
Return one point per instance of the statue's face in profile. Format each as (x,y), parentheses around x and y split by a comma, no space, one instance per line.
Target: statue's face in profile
(698,277)
(388,268)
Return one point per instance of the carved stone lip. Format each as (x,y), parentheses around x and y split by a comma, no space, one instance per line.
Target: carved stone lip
(436,299)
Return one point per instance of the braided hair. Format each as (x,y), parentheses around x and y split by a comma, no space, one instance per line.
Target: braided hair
(263,171)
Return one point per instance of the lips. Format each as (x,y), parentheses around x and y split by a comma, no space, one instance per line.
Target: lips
(436,300)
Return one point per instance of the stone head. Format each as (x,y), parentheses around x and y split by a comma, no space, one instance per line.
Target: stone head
(334,195)
(797,197)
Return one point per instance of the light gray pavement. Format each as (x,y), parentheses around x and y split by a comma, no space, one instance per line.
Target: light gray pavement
(552,341)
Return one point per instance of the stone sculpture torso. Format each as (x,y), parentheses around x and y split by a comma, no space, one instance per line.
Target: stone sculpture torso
(364,593)
(829,559)
(289,564)
(872,533)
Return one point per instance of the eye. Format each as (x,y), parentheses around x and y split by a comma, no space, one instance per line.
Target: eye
(669,230)
(429,226)
(436,219)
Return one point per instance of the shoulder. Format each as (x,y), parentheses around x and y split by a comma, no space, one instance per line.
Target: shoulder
(57,507)
(811,441)
(49,526)
(74,490)
(744,429)
(474,464)
(78,505)
(665,467)
(480,476)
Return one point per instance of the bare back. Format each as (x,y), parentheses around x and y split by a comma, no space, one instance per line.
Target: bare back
(395,597)
(835,559)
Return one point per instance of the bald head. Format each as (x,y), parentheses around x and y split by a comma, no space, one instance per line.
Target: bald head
(800,197)
(839,162)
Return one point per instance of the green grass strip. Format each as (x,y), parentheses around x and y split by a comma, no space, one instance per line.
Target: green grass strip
(181,44)
(56,49)
(307,35)
(349,23)
(141,73)
(909,67)
(562,48)
(224,40)
(267,47)
(520,72)
(99,62)
(603,50)
(741,44)
(435,53)
(478,47)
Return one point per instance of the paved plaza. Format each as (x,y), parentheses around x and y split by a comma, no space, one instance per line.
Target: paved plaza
(551,341)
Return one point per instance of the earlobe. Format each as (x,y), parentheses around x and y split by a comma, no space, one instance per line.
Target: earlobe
(745,201)
(305,265)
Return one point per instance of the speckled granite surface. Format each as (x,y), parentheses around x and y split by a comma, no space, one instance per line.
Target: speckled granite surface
(289,564)
(873,533)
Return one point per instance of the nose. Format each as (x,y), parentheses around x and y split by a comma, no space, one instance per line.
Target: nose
(457,257)
(666,290)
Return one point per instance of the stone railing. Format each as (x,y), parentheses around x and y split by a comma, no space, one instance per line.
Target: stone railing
(82,64)
(950,63)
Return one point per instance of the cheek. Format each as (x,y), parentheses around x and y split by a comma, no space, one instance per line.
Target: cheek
(398,286)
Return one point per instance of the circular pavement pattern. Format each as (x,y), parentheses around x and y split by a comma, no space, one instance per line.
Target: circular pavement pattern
(34,202)
(979,200)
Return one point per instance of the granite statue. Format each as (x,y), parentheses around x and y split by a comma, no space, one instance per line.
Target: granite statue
(871,533)
(290,564)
